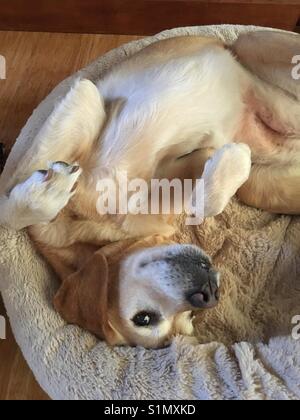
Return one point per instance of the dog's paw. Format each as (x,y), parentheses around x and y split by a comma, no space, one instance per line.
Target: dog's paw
(233,161)
(42,196)
(224,174)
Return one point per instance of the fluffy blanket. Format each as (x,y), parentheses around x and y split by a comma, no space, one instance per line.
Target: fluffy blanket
(244,348)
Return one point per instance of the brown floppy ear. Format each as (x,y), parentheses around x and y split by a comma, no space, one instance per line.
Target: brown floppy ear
(83,297)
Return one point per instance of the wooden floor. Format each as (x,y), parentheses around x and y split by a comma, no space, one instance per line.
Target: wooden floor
(35,62)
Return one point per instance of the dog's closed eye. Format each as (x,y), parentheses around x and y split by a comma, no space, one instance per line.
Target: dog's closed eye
(146,319)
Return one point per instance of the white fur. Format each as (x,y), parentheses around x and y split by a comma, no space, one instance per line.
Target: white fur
(38,200)
(179,102)
(182,100)
(76,121)
(192,102)
(184,324)
(223,175)
(146,286)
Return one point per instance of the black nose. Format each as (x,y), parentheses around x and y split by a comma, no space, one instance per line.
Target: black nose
(206,297)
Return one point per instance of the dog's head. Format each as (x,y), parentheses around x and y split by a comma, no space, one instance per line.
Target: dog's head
(140,293)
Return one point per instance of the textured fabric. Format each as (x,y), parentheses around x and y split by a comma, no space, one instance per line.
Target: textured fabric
(250,352)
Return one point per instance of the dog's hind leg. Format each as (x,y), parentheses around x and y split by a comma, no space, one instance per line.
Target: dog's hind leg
(276,190)
(274,94)
(272,125)
(273,57)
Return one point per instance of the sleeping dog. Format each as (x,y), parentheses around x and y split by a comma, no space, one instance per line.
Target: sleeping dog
(182,108)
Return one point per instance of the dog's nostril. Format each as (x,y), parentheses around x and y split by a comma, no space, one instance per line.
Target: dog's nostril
(204,299)
(199,299)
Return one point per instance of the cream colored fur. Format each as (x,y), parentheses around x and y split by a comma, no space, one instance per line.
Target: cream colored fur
(169,101)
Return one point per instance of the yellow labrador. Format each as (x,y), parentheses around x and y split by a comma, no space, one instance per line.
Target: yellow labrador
(182,108)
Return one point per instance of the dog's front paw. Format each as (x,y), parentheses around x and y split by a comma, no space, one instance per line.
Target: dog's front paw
(232,164)
(224,174)
(42,196)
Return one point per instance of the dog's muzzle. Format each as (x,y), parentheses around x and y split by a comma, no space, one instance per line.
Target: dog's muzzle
(182,272)
(200,280)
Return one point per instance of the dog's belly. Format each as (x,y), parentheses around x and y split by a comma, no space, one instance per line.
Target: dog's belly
(254,131)
(264,132)
(190,102)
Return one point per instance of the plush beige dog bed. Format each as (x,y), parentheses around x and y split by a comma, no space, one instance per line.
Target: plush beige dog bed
(251,353)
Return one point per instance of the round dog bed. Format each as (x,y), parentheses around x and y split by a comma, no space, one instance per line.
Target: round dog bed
(249,246)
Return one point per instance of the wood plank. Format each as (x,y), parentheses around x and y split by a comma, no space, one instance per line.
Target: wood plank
(35,64)
(285,2)
(142,16)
